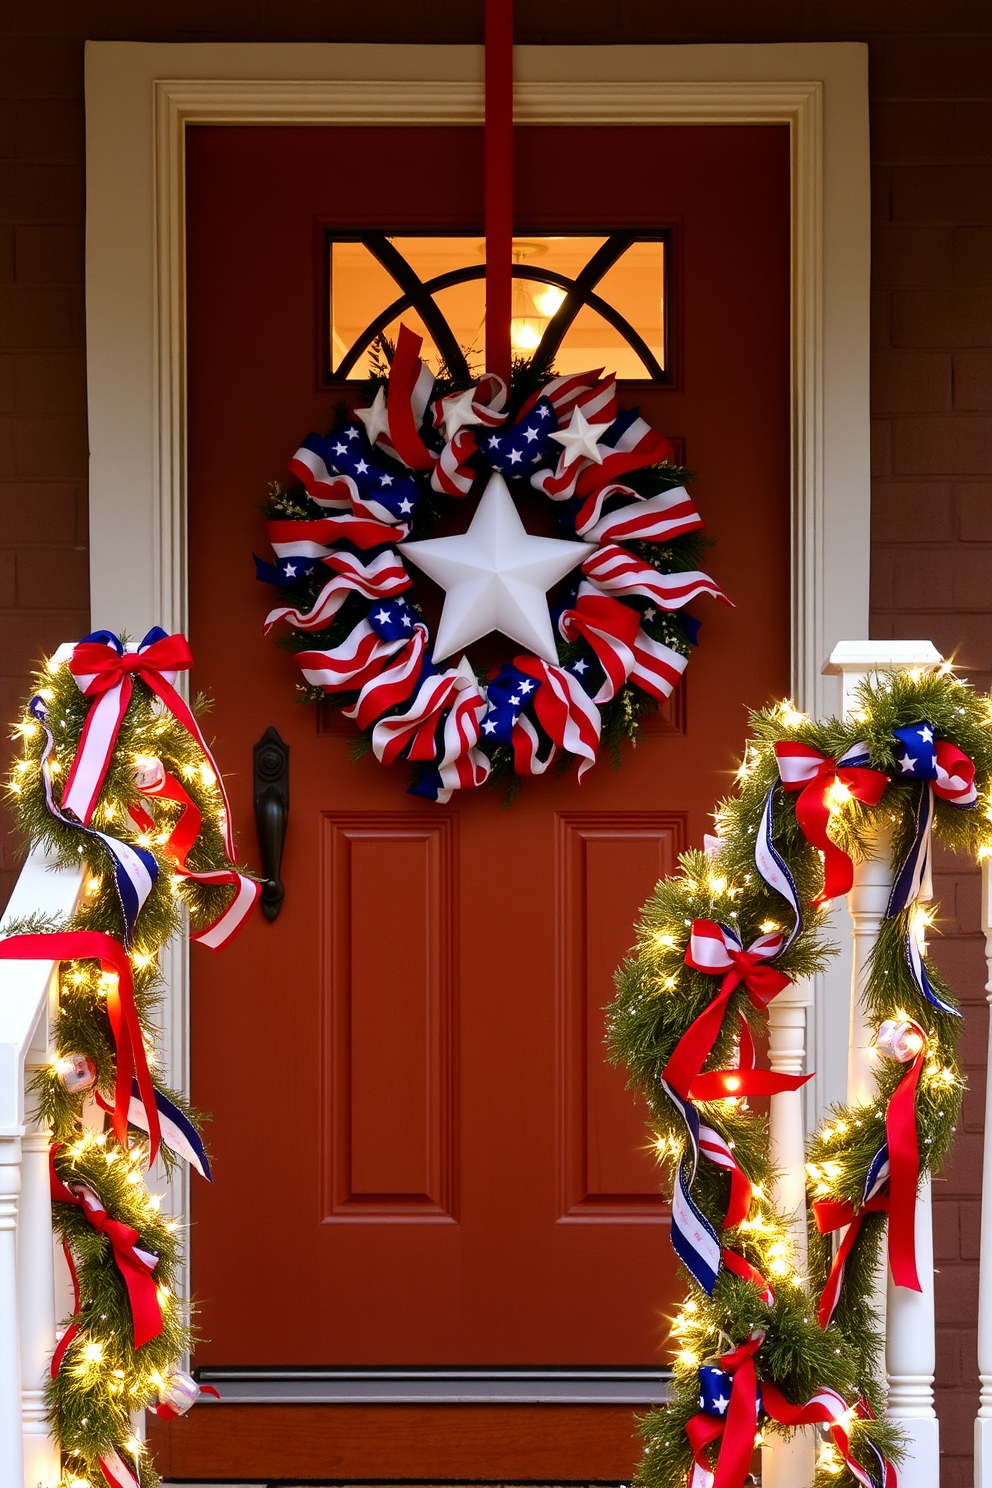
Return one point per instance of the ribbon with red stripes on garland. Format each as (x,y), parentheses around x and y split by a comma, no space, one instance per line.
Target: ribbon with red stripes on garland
(87,945)
(105,673)
(814,775)
(154,781)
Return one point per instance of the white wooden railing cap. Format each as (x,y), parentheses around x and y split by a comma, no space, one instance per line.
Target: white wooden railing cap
(866,656)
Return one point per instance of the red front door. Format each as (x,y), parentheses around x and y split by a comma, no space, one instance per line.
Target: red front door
(420,1154)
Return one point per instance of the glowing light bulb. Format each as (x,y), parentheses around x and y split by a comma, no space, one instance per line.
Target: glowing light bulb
(550,301)
(524,335)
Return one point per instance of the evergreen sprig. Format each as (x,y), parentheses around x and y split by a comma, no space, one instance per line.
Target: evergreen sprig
(658,997)
(103,1379)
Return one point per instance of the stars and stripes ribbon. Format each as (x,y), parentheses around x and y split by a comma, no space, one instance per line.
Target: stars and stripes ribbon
(564,710)
(411,383)
(621,646)
(412,733)
(301,541)
(629,443)
(116,1471)
(104,673)
(391,686)
(458,765)
(361,657)
(134,869)
(615,570)
(383,577)
(154,782)
(659,518)
(178,1132)
(516,450)
(94,945)
(508,693)
(135,1263)
(803,769)
(731,1405)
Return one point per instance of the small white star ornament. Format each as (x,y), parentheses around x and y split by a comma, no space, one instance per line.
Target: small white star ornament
(496,577)
(580,439)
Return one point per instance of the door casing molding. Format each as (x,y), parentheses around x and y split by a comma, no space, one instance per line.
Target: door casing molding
(140,98)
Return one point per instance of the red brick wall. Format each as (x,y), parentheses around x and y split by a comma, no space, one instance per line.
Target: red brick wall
(932,538)
(931,84)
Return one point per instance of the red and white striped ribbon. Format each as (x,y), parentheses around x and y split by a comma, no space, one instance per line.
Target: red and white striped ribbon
(382,578)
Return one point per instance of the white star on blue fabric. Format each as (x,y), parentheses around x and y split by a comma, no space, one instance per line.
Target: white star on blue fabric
(926,734)
(361,468)
(907,762)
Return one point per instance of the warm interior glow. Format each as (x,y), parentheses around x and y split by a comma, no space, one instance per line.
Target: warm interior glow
(360,289)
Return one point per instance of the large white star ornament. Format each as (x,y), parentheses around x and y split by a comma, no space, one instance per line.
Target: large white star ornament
(580,439)
(496,577)
(375,419)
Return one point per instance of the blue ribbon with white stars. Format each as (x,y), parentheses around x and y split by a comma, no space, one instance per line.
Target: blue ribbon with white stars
(509,693)
(524,445)
(392,620)
(347,452)
(715,1386)
(290,569)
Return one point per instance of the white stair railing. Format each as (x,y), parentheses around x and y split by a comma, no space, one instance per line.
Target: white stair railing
(910,1348)
(28,1455)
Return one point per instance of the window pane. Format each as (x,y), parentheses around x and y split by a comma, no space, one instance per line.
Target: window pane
(361,289)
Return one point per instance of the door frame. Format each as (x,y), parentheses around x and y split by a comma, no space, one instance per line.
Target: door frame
(140,97)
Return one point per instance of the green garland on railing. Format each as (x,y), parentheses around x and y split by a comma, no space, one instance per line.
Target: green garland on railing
(659,996)
(103,1378)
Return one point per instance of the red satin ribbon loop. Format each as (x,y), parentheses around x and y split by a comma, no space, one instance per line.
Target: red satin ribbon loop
(87,945)
(135,1265)
(813,812)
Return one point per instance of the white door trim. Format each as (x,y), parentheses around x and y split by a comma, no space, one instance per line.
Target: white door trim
(140,98)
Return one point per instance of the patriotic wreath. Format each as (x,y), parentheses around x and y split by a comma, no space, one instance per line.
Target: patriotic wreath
(774,1335)
(373,488)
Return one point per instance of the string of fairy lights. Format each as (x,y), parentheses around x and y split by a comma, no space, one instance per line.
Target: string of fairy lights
(804,1321)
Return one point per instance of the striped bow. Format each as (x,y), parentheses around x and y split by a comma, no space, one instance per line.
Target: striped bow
(716,950)
(816,776)
(104,672)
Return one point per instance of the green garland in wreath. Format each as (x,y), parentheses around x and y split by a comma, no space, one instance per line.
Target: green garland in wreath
(658,998)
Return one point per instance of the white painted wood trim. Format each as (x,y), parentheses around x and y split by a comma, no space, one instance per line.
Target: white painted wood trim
(139,99)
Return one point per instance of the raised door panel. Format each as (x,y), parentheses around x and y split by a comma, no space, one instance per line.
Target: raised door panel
(388,1075)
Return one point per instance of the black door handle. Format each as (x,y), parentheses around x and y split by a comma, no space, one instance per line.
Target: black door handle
(271,815)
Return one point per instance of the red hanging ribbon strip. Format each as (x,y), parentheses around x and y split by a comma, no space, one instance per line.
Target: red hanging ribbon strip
(904,1174)
(812,774)
(410,383)
(736,1430)
(93,945)
(135,1264)
(154,781)
(499,185)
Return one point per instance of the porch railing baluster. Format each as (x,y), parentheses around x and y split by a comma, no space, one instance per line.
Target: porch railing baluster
(983,1422)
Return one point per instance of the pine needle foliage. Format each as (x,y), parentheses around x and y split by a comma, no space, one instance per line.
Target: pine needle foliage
(103,1378)
(658,997)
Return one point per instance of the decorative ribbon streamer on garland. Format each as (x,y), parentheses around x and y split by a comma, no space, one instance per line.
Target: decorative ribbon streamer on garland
(814,775)
(135,1264)
(153,780)
(104,672)
(178,1132)
(836,1214)
(134,870)
(94,945)
(775,871)
(732,1404)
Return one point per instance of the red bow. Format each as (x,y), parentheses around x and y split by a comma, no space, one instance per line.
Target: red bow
(102,672)
(85,945)
(135,1265)
(813,774)
(711,950)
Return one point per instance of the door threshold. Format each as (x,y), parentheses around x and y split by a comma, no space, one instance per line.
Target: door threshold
(409,1386)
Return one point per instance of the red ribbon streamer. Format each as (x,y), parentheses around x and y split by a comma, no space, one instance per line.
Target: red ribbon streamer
(136,1266)
(904,1175)
(813,813)
(499,184)
(163,786)
(736,1429)
(404,374)
(93,945)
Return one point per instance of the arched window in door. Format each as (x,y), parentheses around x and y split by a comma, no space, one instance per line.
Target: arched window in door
(579,301)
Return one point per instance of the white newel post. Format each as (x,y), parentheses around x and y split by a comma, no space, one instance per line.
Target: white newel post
(789,1463)
(983,1424)
(11,1456)
(36,1278)
(908,1316)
